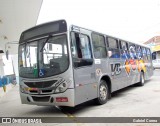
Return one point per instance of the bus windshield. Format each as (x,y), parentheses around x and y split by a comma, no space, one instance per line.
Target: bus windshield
(44,57)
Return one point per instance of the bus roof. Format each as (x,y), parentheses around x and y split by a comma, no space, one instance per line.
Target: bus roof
(140,44)
(70,25)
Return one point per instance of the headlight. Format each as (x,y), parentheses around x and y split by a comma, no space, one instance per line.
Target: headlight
(23,89)
(61,88)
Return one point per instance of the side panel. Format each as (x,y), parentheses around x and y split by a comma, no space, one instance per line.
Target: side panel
(149,69)
(117,73)
(85,85)
(133,75)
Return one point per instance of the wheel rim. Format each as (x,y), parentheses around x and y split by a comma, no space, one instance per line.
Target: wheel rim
(103,92)
(142,78)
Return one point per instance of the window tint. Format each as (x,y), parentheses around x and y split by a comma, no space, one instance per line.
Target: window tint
(132,51)
(144,50)
(81,50)
(144,53)
(113,51)
(139,52)
(99,46)
(124,50)
(112,43)
(124,45)
(148,54)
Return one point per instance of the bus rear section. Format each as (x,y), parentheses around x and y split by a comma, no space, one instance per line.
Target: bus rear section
(46,76)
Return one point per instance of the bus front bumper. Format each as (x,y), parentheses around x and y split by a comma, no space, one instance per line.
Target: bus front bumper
(60,99)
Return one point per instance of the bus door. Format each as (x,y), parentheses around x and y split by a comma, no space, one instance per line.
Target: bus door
(83,68)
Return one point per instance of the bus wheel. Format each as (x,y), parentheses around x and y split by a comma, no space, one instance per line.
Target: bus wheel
(103,93)
(142,80)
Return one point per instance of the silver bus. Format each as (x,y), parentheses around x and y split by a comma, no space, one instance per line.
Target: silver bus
(66,65)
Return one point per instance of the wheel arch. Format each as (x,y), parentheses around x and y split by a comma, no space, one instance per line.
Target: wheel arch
(107,79)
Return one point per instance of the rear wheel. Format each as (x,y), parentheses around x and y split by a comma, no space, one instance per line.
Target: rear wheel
(142,80)
(103,93)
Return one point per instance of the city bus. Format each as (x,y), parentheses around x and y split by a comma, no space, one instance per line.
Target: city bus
(66,65)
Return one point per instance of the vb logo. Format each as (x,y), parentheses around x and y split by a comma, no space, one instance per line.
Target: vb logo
(115,69)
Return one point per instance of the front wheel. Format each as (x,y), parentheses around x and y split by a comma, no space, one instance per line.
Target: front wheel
(103,93)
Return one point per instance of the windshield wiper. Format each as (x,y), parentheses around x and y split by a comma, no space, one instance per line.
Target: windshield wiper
(45,42)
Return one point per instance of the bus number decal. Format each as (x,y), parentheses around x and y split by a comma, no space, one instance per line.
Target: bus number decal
(115,69)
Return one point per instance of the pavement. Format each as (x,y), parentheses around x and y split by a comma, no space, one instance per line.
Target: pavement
(133,101)
(8,88)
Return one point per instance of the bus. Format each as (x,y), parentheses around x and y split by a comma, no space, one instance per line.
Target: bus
(66,65)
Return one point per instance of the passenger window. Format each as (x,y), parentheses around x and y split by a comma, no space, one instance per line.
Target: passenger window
(99,46)
(81,50)
(124,50)
(139,52)
(144,53)
(132,51)
(113,51)
(148,54)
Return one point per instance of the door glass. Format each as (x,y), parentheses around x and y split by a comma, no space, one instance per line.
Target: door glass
(81,50)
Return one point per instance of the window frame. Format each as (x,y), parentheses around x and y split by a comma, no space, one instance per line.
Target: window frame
(149,57)
(144,55)
(112,48)
(100,45)
(121,49)
(135,46)
(139,52)
(80,59)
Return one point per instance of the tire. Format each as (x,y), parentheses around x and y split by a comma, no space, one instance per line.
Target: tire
(103,93)
(142,79)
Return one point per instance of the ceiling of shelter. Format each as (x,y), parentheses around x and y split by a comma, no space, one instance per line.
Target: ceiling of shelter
(15,17)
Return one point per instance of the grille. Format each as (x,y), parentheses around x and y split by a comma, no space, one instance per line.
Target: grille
(46,91)
(43,84)
(43,91)
(41,99)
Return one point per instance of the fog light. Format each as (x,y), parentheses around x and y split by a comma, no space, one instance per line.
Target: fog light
(64,85)
(28,99)
(51,100)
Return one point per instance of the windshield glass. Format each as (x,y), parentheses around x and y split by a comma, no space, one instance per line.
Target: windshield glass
(43,58)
